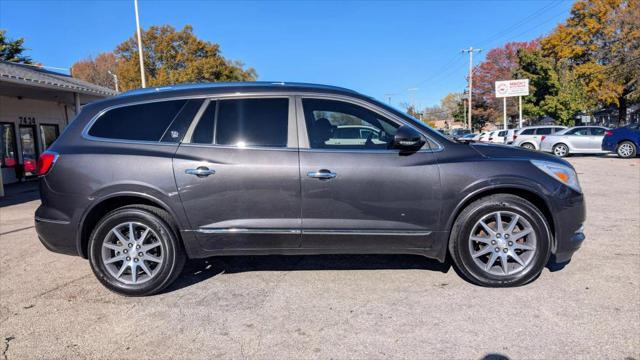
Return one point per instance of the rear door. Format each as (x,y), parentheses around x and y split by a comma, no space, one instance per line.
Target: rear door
(359,194)
(595,139)
(238,174)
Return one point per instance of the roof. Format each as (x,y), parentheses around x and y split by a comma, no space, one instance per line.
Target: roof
(41,78)
(252,85)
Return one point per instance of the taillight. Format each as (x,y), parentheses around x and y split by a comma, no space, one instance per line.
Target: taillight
(608,133)
(514,137)
(542,138)
(46,161)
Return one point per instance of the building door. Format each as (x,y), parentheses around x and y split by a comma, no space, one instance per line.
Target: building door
(48,134)
(8,153)
(29,149)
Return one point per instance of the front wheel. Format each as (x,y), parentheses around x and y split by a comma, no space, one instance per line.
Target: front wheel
(135,251)
(561,150)
(626,150)
(500,240)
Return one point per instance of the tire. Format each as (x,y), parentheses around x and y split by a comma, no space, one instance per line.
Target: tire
(626,150)
(528,146)
(560,150)
(159,256)
(462,247)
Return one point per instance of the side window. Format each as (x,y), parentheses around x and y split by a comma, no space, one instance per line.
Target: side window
(244,122)
(340,125)
(178,127)
(527,132)
(555,130)
(143,122)
(502,133)
(597,131)
(579,132)
(543,131)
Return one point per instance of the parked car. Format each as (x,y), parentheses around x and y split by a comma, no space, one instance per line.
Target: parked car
(575,140)
(498,137)
(510,136)
(466,138)
(624,141)
(457,133)
(529,137)
(482,137)
(141,181)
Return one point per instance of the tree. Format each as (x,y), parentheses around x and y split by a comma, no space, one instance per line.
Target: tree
(499,64)
(172,57)
(12,50)
(600,45)
(96,70)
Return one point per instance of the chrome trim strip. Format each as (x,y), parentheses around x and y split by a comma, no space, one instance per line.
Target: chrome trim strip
(62,222)
(368,232)
(240,231)
(230,231)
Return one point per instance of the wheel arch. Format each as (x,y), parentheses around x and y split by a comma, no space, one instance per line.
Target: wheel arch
(110,203)
(526,193)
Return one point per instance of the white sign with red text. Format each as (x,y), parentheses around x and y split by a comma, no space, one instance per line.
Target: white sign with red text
(510,88)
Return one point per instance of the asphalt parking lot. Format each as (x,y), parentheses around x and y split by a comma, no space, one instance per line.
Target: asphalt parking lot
(51,306)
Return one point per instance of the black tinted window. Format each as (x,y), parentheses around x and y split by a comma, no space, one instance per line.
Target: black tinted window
(579,132)
(597,131)
(257,122)
(203,133)
(178,127)
(341,125)
(543,131)
(527,132)
(143,122)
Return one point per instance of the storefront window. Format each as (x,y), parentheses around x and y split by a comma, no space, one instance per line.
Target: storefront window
(7,145)
(48,134)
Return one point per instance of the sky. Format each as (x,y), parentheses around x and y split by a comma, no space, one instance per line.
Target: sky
(409,49)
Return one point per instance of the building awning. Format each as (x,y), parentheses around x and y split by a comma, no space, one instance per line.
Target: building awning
(40,78)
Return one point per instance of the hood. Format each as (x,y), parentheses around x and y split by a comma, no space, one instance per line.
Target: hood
(494,151)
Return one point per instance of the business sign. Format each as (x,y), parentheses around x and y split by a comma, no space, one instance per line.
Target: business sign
(512,88)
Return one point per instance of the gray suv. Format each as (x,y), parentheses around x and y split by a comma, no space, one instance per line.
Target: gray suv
(142,181)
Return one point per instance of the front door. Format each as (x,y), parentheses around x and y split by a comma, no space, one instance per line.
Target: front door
(357,192)
(238,175)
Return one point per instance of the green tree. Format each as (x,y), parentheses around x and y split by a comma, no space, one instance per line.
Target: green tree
(172,57)
(12,50)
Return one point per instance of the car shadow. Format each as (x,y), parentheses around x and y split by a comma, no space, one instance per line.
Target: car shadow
(198,270)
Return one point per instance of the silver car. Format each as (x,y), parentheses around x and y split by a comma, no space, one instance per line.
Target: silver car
(529,137)
(575,140)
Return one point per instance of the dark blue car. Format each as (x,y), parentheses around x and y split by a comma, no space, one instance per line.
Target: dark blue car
(624,141)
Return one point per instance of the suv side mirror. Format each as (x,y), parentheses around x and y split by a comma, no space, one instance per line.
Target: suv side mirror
(408,139)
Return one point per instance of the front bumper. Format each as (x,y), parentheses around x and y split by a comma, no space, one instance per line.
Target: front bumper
(568,208)
(569,246)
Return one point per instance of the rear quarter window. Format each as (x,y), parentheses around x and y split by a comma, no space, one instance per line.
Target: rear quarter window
(154,121)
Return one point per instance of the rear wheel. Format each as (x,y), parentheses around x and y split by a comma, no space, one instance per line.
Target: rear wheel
(626,149)
(501,240)
(135,251)
(560,150)
(528,146)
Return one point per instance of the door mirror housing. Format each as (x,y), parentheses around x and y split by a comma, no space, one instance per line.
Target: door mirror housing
(408,139)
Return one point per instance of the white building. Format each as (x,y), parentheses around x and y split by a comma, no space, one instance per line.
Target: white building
(35,106)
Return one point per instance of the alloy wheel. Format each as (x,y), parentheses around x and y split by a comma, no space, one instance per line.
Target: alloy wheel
(560,150)
(132,253)
(625,150)
(502,243)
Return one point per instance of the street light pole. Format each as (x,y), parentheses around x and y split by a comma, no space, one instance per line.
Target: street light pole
(470,50)
(115,79)
(144,83)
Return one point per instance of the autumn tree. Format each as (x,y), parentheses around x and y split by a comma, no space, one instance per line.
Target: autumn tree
(96,70)
(453,104)
(12,50)
(172,57)
(499,64)
(599,45)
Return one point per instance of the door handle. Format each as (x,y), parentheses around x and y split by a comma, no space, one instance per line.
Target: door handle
(200,171)
(323,174)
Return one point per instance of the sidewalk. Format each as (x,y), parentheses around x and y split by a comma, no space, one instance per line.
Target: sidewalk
(19,193)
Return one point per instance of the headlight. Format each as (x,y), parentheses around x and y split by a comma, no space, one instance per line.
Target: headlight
(562,173)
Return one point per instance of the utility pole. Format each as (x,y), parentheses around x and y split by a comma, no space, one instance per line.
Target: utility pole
(470,50)
(115,79)
(144,83)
